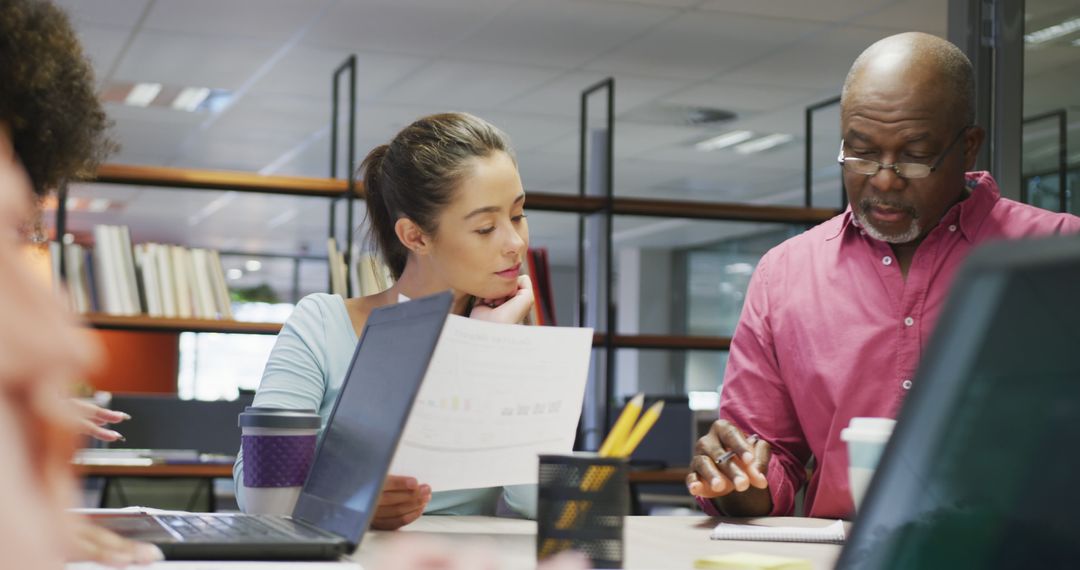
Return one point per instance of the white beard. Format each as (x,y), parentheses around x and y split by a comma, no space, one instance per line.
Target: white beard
(912,232)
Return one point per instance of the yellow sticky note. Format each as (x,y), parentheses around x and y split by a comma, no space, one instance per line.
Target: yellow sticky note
(752,561)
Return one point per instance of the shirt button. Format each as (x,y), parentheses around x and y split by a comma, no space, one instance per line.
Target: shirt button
(886,260)
(906,384)
(952,227)
(909,321)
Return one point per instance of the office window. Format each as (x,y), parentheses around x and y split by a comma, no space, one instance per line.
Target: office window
(216,366)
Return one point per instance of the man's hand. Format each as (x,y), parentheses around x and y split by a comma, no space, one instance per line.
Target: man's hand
(729,464)
(92,420)
(509,310)
(402,501)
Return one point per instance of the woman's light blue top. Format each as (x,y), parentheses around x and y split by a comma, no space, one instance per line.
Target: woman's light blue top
(306,369)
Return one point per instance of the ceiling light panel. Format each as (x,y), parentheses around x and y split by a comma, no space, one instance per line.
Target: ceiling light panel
(725,140)
(142,94)
(763,143)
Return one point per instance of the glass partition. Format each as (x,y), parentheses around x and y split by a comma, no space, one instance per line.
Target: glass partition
(1051,97)
(675,276)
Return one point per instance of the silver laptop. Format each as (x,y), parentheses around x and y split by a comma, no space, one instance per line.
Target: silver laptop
(342,490)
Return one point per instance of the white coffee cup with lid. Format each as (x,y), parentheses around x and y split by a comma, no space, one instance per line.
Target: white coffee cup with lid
(278,446)
(866,439)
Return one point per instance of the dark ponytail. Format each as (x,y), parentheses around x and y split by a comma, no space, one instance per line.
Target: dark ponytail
(379,212)
(415,175)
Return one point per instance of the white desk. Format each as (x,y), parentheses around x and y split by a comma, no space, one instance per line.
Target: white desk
(669,543)
(657,543)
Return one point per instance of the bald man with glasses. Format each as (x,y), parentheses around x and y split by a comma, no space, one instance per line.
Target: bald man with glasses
(835,319)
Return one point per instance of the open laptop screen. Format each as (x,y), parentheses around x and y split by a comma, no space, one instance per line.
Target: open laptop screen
(983,467)
(362,434)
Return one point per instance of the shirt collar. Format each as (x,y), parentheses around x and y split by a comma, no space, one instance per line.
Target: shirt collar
(968,214)
(846,219)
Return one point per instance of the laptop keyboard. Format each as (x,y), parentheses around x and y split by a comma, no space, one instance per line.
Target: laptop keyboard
(238,528)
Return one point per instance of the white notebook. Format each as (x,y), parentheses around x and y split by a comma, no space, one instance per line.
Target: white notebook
(833,533)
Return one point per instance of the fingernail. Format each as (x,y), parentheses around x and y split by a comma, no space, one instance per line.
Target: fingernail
(741,483)
(126,417)
(117,435)
(716,484)
(747,456)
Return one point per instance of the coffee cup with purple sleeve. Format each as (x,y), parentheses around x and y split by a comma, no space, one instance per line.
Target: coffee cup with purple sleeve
(278,446)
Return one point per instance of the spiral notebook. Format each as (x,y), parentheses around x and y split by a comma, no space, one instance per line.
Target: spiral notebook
(832,534)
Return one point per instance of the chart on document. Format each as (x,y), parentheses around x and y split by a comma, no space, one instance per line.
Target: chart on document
(495,396)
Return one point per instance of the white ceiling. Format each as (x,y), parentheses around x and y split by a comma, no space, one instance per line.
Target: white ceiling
(519,63)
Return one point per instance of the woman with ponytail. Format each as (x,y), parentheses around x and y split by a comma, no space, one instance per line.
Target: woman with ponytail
(446,208)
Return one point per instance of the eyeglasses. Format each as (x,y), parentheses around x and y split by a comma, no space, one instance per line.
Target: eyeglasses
(905,170)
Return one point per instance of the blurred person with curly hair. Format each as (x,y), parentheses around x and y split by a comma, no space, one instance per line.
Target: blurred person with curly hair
(47,97)
(52,129)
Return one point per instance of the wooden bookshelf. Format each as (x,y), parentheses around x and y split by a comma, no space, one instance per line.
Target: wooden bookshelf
(721,211)
(213,470)
(161,324)
(167,177)
(668,475)
(563,203)
(207,470)
(664,342)
(203,180)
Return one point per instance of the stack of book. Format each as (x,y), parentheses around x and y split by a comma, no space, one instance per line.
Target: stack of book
(158,280)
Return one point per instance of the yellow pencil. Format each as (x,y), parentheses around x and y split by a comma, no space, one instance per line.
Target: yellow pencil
(648,419)
(622,426)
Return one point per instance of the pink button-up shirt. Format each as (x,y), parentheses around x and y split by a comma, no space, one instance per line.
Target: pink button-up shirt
(831,330)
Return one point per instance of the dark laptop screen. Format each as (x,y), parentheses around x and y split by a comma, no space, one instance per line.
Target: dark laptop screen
(983,467)
(369,415)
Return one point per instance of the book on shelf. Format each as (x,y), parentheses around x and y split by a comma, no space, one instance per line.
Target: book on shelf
(373,276)
(147,273)
(179,259)
(545,294)
(203,288)
(539,272)
(221,287)
(368,275)
(337,268)
(129,284)
(107,272)
(77,261)
(117,277)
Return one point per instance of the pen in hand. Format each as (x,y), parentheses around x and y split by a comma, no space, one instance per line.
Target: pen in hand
(727,455)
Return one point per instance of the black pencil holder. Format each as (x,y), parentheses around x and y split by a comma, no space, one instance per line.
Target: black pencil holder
(583,501)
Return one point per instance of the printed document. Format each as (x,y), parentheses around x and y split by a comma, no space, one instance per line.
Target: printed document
(495,396)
